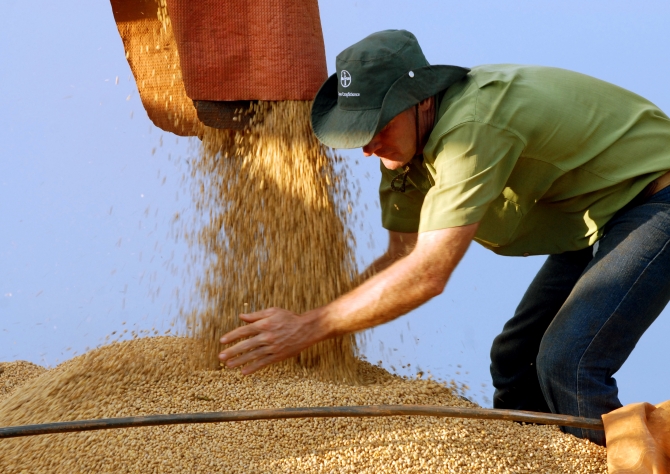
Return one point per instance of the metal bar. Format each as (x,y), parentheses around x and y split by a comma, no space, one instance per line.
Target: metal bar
(304,412)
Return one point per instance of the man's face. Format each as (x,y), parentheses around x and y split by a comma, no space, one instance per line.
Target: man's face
(395,144)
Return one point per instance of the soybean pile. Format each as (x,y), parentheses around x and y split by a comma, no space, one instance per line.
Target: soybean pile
(15,374)
(152,376)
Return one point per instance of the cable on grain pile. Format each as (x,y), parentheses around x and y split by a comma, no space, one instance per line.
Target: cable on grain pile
(303,412)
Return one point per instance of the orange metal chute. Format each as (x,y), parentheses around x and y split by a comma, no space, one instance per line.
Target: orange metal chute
(221,55)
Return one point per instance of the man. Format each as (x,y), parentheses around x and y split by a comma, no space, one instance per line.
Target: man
(526,161)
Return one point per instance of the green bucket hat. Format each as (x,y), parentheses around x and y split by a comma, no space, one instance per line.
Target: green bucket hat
(376,79)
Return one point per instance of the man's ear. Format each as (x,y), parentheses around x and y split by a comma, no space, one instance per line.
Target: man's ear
(426,104)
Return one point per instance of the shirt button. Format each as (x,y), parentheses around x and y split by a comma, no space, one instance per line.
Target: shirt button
(526,254)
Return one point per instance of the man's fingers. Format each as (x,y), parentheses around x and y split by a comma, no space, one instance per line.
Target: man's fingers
(273,335)
(246,331)
(257,353)
(258,364)
(253,317)
(239,348)
(239,333)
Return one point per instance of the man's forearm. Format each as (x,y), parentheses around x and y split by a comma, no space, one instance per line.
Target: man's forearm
(403,286)
(379,265)
(400,245)
(380,299)
(275,334)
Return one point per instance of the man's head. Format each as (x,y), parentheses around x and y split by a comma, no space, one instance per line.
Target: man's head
(378,80)
(403,137)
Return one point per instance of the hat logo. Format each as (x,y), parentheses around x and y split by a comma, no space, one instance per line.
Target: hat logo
(345,78)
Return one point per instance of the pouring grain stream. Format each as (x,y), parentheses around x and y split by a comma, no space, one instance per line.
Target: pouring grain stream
(275,207)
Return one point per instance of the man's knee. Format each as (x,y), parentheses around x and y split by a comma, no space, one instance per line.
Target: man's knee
(554,363)
(497,353)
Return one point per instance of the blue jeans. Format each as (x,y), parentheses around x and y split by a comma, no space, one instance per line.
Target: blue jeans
(582,316)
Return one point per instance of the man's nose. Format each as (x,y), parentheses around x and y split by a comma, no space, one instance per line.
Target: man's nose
(371,148)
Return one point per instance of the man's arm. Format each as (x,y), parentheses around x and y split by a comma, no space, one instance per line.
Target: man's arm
(400,245)
(276,334)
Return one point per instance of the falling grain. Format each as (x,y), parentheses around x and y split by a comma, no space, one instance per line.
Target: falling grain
(274,229)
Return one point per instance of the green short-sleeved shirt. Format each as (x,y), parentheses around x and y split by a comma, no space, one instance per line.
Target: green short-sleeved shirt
(541,157)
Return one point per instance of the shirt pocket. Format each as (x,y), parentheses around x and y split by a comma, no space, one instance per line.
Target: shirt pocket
(500,222)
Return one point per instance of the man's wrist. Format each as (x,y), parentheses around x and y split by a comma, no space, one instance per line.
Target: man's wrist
(317,325)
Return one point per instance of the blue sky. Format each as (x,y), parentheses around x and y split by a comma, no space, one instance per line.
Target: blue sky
(88,186)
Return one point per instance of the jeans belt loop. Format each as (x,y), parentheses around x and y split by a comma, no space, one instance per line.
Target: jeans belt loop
(662,182)
(652,188)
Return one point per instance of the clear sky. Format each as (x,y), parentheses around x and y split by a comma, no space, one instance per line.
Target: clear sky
(88,186)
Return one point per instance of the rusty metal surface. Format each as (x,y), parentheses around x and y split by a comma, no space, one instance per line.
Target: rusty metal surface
(303,412)
(249,49)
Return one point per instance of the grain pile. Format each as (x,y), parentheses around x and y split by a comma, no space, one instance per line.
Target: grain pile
(149,376)
(274,207)
(15,374)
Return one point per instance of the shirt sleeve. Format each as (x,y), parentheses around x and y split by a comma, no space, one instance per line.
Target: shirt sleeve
(400,211)
(471,165)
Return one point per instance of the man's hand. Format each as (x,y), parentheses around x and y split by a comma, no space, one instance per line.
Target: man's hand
(274,334)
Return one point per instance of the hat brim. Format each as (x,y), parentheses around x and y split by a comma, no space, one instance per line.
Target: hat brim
(339,128)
